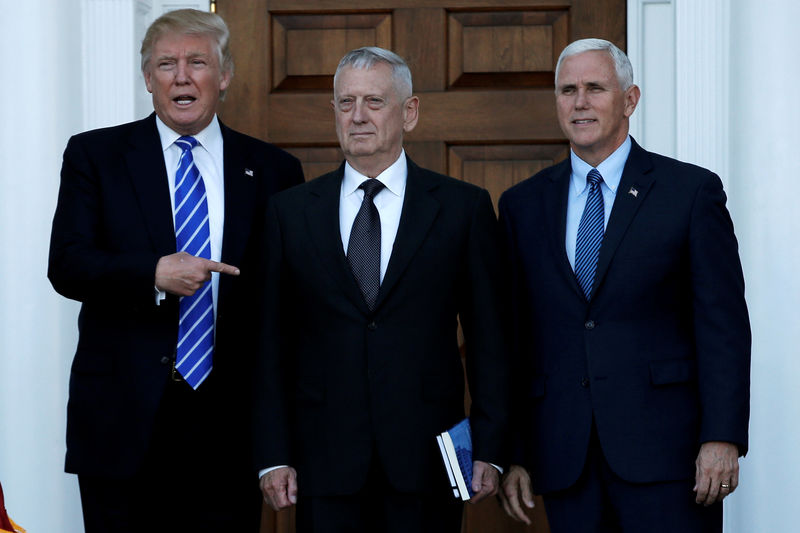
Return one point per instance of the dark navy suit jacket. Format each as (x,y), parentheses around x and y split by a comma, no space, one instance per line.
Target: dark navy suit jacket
(112,224)
(341,385)
(660,357)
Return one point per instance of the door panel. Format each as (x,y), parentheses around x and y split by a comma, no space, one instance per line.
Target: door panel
(483,70)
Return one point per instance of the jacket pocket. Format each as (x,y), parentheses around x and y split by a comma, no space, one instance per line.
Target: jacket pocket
(671,371)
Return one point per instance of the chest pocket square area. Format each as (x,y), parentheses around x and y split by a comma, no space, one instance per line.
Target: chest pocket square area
(248,172)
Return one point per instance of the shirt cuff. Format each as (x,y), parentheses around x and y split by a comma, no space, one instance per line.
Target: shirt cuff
(262,473)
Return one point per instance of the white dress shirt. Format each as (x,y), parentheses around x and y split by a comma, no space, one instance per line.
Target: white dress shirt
(208,157)
(388,201)
(611,170)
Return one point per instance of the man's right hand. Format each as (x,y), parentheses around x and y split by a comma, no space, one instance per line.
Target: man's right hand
(516,487)
(182,273)
(279,487)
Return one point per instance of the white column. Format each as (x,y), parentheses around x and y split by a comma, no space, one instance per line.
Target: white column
(651,49)
(703,90)
(113,88)
(734,72)
(42,107)
(764,141)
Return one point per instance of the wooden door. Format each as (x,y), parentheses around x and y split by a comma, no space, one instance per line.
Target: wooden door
(483,71)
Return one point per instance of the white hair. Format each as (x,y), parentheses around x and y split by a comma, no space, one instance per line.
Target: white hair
(622,64)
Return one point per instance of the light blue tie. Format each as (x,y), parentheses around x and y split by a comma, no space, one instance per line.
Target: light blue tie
(193,236)
(590,234)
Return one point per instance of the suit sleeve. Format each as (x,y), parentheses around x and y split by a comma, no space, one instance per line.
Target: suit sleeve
(483,326)
(722,328)
(81,265)
(271,410)
(518,366)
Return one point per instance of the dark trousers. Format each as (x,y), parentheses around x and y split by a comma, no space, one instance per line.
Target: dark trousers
(193,478)
(601,502)
(379,508)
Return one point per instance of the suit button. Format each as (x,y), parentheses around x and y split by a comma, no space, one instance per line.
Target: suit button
(585,383)
(165,360)
(589,324)
(372,326)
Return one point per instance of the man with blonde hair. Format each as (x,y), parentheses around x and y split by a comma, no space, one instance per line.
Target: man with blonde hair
(153,224)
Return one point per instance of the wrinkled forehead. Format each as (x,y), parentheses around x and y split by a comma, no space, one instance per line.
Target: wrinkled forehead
(585,68)
(377,78)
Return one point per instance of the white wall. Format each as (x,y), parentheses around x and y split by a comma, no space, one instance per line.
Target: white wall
(41,98)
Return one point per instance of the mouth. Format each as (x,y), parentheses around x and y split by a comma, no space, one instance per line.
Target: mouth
(583,121)
(184,99)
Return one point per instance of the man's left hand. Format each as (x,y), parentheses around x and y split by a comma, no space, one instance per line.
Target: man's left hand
(717,472)
(485,481)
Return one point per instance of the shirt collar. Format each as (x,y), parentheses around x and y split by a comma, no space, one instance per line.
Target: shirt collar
(610,168)
(393,178)
(209,137)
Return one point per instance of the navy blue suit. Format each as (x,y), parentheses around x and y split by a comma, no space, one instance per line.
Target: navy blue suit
(112,224)
(659,359)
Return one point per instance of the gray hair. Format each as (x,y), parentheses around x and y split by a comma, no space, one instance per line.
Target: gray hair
(621,62)
(190,22)
(367,56)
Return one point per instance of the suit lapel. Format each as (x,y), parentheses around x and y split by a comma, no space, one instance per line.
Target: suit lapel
(556,216)
(636,182)
(419,212)
(145,162)
(240,193)
(322,217)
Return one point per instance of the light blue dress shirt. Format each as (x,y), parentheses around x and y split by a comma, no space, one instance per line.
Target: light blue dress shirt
(611,170)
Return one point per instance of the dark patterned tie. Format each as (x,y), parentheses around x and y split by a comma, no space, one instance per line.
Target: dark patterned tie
(590,234)
(364,247)
(193,236)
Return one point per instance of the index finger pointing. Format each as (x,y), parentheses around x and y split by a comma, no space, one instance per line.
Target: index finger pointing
(222,268)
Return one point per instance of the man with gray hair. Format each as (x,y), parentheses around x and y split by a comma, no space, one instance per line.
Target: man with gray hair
(154,221)
(631,335)
(368,271)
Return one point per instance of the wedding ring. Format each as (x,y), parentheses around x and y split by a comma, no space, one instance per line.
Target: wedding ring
(725,485)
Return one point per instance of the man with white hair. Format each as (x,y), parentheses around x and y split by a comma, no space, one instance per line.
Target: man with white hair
(368,271)
(631,336)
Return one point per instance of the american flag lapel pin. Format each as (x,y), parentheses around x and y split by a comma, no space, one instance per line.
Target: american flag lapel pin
(248,172)
(633,192)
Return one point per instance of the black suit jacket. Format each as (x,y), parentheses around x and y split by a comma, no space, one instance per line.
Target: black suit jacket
(338,381)
(660,357)
(112,224)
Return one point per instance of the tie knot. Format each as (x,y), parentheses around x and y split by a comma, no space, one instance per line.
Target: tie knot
(371,187)
(594,177)
(186,143)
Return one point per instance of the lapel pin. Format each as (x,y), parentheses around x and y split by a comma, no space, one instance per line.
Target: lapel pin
(633,192)
(248,172)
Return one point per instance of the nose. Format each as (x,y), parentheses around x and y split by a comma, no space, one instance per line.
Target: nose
(181,73)
(359,115)
(581,102)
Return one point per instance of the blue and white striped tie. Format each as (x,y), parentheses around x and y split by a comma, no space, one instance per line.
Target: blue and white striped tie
(590,234)
(193,236)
